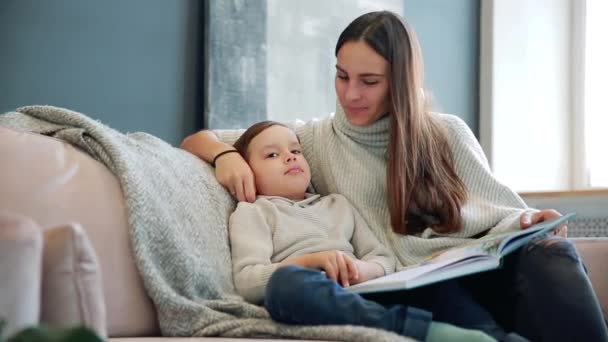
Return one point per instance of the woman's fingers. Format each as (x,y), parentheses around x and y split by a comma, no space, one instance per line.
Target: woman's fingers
(561,231)
(249,188)
(529,218)
(239,191)
(233,172)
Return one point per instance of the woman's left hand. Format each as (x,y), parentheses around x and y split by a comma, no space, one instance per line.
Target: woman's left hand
(529,218)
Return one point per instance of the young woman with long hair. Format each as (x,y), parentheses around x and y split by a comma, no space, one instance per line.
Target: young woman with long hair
(422,183)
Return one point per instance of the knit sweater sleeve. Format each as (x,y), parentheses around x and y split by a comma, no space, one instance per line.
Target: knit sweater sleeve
(367,247)
(251,248)
(490,204)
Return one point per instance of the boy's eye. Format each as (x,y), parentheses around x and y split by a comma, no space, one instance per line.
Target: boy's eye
(296,151)
(272,155)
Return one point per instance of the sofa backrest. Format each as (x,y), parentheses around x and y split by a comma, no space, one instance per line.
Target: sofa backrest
(54,183)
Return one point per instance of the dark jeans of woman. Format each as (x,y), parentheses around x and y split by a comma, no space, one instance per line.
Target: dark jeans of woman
(542,292)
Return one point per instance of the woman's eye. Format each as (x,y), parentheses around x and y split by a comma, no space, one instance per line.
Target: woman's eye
(272,155)
(342,77)
(370,82)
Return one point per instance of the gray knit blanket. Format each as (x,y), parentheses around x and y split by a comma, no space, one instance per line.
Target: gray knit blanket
(178,216)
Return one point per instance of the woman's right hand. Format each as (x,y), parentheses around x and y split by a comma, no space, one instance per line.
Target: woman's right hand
(233,172)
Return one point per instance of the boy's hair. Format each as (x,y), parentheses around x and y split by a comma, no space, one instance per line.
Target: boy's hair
(242,143)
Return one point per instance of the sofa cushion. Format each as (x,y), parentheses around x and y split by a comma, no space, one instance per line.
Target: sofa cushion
(53,183)
(594,252)
(20,265)
(72,293)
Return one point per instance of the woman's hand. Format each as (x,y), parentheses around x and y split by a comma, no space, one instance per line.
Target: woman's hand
(233,172)
(528,219)
(337,265)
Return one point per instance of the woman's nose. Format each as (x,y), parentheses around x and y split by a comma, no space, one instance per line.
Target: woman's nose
(352,92)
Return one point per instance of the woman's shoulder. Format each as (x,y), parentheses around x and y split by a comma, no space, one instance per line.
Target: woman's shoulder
(457,129)
(309,126)
(451,121)
(461,138)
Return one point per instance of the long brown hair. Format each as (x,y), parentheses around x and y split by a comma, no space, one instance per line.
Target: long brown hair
(242,143)
(423,189)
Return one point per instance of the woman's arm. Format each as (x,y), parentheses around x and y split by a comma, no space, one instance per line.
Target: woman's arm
(490,203)
(231,170)
(205,145)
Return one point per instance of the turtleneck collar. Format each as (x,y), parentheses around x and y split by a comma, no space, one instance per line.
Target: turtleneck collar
(374,135)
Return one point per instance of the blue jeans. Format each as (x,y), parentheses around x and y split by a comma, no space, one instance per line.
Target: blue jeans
(297,295)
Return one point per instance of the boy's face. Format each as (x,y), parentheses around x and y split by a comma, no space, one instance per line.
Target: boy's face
(276,159)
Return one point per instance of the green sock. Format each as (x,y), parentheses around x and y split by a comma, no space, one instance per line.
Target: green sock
(440,332)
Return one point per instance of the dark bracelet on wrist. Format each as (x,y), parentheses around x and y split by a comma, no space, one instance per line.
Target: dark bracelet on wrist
(221,154)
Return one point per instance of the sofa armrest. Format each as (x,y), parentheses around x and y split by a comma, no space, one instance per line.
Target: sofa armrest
(54,183)
(594,252)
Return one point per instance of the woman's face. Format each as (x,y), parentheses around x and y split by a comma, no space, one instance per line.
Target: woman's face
(362,83)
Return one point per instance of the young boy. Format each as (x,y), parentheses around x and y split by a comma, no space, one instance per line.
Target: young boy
(296,251)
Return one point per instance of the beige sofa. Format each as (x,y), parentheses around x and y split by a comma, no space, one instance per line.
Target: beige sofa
(53,183)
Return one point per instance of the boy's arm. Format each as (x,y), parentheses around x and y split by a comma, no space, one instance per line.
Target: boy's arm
(252,249)
(375,260)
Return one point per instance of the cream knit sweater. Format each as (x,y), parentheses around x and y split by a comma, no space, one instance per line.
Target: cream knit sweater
(274,229)
(351,161)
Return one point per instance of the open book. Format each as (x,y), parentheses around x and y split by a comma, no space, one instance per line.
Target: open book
(481,255)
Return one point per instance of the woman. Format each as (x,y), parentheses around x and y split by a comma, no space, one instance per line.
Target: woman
(422,183)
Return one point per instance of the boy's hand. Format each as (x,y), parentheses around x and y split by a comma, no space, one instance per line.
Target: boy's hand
(336,264)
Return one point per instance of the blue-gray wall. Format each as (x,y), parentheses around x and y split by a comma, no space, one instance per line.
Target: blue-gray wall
(448,31)
(137,65)
(131,64)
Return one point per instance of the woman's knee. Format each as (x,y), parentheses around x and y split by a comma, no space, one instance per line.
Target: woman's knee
(551,246)
(550,256)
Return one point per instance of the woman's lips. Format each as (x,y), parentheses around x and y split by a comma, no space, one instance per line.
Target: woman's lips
(356,110)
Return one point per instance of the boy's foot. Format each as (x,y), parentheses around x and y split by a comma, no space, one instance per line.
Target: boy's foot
(440,332)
